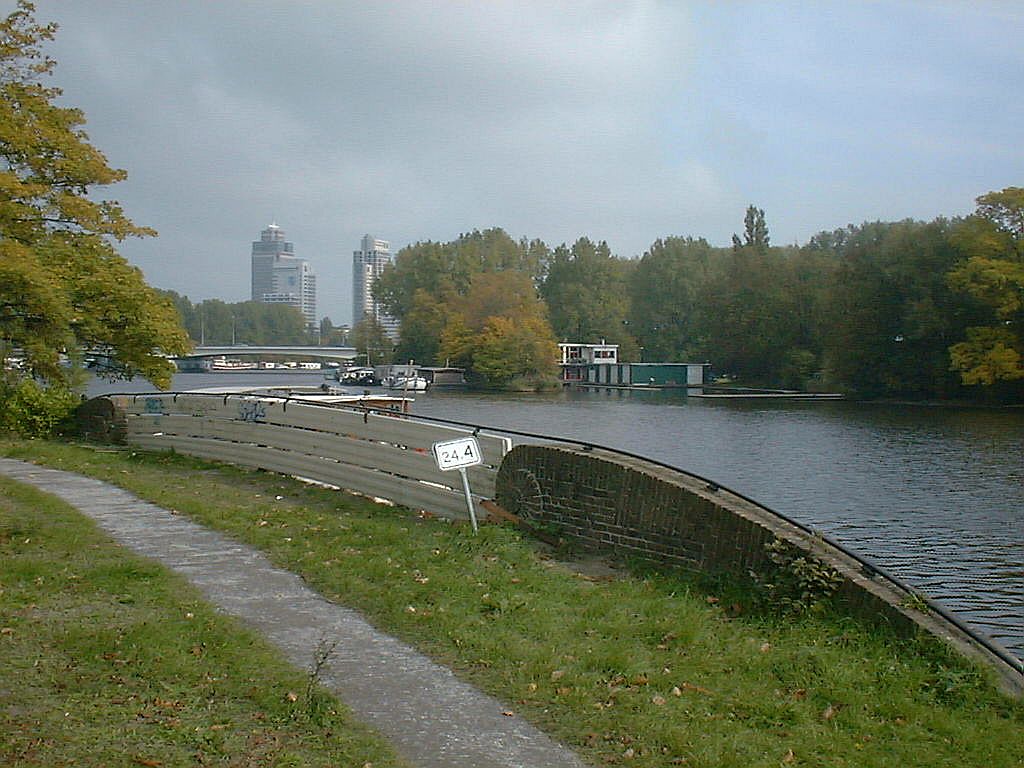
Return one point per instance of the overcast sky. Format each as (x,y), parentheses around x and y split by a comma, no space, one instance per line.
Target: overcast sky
(621,121)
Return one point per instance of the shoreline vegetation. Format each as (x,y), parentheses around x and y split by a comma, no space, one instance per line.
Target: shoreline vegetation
(627,667)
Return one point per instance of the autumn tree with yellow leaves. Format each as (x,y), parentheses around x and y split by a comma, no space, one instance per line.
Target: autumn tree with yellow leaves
(63,286)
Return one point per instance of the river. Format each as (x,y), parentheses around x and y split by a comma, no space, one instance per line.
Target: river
(933,494)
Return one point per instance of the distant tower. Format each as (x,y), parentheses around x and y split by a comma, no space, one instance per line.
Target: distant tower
(280,277)
(367,264)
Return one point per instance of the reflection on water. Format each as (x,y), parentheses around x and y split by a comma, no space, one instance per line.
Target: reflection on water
(934,495)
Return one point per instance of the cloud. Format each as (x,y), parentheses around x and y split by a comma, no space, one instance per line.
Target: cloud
(623,121)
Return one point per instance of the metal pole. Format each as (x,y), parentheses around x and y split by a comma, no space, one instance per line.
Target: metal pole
(469,498)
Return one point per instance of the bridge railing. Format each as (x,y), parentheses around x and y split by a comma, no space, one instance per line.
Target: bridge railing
(376,453)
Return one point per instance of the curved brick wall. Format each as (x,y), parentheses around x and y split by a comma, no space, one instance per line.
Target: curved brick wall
(630,507)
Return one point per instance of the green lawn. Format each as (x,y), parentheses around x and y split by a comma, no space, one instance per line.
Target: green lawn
(652,670)
(108,660)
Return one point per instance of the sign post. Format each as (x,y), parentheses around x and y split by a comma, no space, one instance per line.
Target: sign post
(459,454)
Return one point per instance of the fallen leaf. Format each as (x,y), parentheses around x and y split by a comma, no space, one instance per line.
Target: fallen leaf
(692,687)
(800,693)
(658,701)
(292,696)
(676,691)
(146,761)
(765,647)
(789,757)
(830,711)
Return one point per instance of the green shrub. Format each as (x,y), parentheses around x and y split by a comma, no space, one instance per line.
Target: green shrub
(797,581)
(30,409)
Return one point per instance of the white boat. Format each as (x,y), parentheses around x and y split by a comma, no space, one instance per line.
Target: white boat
(407,383)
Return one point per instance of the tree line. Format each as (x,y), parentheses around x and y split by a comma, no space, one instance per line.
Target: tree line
(216,322)
(882,309)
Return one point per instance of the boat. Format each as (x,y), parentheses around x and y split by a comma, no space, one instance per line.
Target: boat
(227,364)
(358,377)
(406,383)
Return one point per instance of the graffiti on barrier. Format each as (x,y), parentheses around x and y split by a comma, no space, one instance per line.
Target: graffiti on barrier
(252,410)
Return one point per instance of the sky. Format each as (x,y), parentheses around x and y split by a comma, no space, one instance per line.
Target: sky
(623,121)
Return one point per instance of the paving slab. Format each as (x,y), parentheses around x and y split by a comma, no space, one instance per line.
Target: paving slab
(430,716)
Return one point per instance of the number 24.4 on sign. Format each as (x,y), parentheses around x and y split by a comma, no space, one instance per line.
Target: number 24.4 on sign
(457,454)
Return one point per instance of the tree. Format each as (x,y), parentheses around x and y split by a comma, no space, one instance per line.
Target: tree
(586,290)
(63,287)
(755,231)
(445,294)
(746,311)
(510,349)
(422,328)
(667,296)
(499,330)
(892,315)
(993,276)
(370,339)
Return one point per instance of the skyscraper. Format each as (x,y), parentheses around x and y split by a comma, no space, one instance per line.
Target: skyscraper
(281,277)
(367,264)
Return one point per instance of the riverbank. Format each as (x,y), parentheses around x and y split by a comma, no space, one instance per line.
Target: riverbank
(654,667)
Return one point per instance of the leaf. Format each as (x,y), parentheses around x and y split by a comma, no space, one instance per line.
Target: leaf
(698,688)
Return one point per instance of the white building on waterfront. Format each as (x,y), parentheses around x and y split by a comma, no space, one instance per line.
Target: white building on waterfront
(281,277)
(367,264)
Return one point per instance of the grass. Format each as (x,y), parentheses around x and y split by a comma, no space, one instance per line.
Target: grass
(109,660)
(650,669)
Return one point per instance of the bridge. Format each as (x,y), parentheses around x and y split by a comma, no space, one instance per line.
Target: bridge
(257,350)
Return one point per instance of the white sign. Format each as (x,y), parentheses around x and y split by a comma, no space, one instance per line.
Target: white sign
(457,454)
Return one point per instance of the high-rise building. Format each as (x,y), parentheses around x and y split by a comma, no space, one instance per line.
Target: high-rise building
(367,264)
(281,277)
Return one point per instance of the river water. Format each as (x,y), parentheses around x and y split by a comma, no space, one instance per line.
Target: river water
(935,495)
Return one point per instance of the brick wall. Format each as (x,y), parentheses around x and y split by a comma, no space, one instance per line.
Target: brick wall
(630,507)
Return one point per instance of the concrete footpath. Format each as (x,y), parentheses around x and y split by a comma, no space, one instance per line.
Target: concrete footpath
(431,717)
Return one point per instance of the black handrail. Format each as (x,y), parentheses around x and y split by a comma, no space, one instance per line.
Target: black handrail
(869,566)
